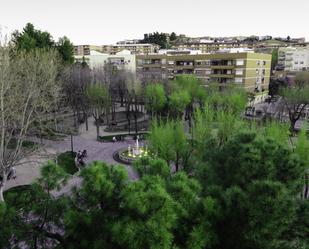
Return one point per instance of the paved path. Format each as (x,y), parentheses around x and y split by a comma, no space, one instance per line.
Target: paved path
(30,171)
(86,140)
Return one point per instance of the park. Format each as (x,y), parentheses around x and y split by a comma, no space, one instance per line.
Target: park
(96,158)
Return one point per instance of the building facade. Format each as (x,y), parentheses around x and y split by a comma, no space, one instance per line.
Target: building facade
(136,48)
(139,48)
(81,50)
(121,60)
(293,59)
(213,47)
(250,70)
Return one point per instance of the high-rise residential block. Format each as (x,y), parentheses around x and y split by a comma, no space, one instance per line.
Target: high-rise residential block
(250,70)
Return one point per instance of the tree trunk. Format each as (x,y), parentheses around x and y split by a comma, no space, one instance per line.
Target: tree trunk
(121,100)
(2,184)
(74,118)
(86,121)
(129,122)
(292,125)
(98,129)
(55,121)
(107,117)
(135,119)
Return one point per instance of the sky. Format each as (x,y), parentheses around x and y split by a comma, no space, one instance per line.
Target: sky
(101,22)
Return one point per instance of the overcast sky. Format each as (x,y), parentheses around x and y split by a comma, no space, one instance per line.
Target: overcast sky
(108,21)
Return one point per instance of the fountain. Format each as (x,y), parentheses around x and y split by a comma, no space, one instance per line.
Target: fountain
(130,154)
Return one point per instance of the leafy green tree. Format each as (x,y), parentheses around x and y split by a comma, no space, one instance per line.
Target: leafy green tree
(195,90)
(156,38)
(169,142)
(30,39)
(173,36)
(193,227)
(151,215)
(277,131)
(155,98)
(274,58)
(196,214)
(177,103)
(255,181)
(35,213)
(230,99)
(66,50)
(148,166)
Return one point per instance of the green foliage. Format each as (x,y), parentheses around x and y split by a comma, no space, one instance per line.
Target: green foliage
(147,166)
(274,58)
(203,124)
(255,180)
(156,38)
(66,161)
(277,131)
(239,189)
(230,99)
(296,96)
(66,50)
(155,98)
(178,101)
(97,95)
(169,142)
(152,215)
(31,39)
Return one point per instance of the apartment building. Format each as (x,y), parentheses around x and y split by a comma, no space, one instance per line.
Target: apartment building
(213,47)
(250,70)
(293,59)
(139,48)
(81,50)
(122,60)
(208,47)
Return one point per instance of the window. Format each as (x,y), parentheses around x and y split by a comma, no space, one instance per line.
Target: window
(240,62)
(264,63)
(239,71)
(258,63)
(238,80)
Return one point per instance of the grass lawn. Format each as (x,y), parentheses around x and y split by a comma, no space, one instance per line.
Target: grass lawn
(66,161)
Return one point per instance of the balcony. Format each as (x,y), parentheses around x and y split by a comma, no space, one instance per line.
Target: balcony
(222,66)
(222,63)
(228,76)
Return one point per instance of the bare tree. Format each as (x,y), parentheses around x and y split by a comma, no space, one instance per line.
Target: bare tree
(133,100)
(296,98)
(76,78)
(28,89)
(98,98)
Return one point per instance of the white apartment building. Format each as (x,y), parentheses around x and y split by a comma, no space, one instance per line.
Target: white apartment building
(293,59)
(123,60)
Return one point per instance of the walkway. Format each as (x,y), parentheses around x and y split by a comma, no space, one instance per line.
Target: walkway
(30,171)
